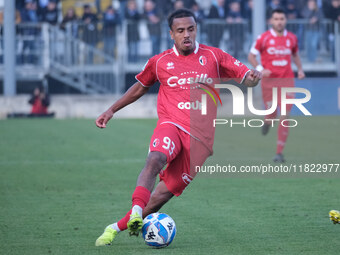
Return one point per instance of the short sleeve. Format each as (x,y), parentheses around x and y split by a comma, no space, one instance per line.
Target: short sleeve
(231,68)
(295,47)
(147,77)
(256,47)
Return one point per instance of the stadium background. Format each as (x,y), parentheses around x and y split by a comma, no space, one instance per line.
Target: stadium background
(60,178)
(101,51)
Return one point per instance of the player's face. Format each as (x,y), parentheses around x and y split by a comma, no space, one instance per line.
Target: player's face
(183,32)
(278,21)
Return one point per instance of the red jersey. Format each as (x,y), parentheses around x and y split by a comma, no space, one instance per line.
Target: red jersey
(276,52)
(181,77)
(38,107)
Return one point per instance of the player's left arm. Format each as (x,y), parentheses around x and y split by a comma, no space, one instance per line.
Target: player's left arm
(232,68)
(252,78)
(297,60)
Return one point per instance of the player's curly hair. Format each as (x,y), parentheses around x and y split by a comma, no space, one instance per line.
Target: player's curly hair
(180,13)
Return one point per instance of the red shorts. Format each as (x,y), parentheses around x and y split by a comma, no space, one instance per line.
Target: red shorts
(183,154)
(267,93)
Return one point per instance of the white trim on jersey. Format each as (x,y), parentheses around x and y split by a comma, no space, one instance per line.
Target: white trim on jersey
(141,83)
(175,50)
(197,47)
(274,33)
(195,51)
(244,76)
(253,50)
(181,128)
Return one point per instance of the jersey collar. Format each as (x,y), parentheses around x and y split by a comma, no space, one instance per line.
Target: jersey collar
(274,33)
(197,45)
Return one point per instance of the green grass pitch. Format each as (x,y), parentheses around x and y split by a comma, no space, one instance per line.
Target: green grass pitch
(63,181)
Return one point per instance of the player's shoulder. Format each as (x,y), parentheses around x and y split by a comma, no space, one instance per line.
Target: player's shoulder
(291,35)
(210,50)
(165,53)
(206,47)
(265,35)
(154,60)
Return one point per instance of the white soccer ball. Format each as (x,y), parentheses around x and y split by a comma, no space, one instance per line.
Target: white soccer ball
(158,230)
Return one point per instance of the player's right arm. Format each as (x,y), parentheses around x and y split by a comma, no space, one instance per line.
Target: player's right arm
(256,50)
(297,60)
(252,60)
(136,91)
(145,79)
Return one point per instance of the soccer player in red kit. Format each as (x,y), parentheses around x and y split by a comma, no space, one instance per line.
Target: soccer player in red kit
(276,47)
(183,137)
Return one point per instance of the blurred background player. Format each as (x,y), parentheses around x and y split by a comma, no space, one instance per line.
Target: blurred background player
(276,47)
(111,21)
(90,31)
(153,18)
(314,15)
(133,17)
(39,101)
(218,11)
(183,138)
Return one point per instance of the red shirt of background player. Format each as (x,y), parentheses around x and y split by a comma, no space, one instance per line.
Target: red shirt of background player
(276,52)
(39,101)
(38,107)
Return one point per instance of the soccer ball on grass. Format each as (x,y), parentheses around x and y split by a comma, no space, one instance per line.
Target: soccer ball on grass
(158,230)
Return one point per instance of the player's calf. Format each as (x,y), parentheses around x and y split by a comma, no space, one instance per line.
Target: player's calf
(265,128)
(159,197)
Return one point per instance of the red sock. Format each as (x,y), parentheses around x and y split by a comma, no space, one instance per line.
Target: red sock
(140,196)
(122,223)
(282,134)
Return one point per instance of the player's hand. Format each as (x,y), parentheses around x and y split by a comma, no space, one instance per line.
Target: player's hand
(266,72)
(301,74)
(253,78)
(103,119)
